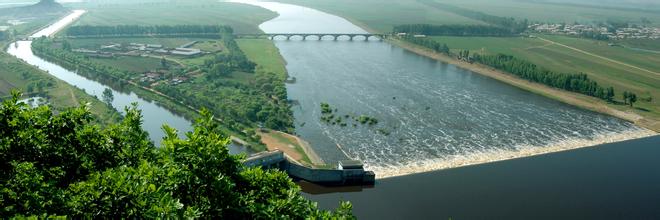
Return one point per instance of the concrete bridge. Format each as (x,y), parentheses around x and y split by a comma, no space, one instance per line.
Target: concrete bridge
(346,173)
(315,36)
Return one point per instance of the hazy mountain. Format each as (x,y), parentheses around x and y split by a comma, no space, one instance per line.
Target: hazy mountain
(44,7)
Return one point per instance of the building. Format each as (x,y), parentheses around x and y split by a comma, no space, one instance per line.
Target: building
(186,51)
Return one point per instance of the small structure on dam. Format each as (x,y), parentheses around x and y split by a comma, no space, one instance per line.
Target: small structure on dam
(349,172)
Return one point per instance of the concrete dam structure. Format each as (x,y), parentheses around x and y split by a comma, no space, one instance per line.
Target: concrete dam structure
(347,173)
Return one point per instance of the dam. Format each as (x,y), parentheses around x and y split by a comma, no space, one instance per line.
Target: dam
(347,172)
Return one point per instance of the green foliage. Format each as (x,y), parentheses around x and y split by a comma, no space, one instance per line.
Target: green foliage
(579,83)
(428,43)
(453,30)
(135,30)
(62,165)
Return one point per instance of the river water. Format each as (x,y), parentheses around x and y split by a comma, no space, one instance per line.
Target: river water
(437,115)
(153,115)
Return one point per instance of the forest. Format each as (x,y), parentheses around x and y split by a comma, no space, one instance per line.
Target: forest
(133,30)
(3,35)
(454,30)
(62,165)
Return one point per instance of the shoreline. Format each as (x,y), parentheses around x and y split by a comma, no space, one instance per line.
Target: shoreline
(457,161)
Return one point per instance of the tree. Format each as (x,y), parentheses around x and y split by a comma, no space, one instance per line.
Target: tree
(107,96)
(632,98)
(163,62)
(609,96)
(62,164)
(66,45)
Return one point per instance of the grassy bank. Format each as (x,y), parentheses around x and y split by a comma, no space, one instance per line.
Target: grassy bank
(18,75)
(590,103)
(264,53)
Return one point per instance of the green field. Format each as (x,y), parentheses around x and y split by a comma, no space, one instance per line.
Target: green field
(243,18)
(382,15)
(649,45)
(538,11)
(562,59)
(265,54)
(133,64)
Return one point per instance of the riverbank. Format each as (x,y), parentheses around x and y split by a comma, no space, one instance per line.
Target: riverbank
(292,146)
(575,99)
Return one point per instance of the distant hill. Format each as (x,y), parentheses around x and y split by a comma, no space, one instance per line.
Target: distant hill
(44,7)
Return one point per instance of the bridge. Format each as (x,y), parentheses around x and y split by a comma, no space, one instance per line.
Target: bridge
(315,36)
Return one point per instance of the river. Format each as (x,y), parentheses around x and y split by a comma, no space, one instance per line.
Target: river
(153,115)
(441,116)
(432,115)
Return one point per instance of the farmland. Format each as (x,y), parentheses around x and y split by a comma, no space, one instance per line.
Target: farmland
(381,16)
(243,18)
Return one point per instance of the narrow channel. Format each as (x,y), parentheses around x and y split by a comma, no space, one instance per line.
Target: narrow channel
(153,115)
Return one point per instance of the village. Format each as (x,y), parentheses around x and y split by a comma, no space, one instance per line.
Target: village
(153,77)
(140,49)
(631,32)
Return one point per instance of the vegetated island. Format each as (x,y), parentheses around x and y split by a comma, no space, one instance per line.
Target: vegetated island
(331,116)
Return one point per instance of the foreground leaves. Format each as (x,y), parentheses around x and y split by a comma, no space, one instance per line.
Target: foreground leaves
(62,165)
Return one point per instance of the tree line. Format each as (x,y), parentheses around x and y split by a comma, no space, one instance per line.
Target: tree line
(574,82)
(428,43)
(453,30)
(130,30)
(61,164)
(3,35)
(509,23)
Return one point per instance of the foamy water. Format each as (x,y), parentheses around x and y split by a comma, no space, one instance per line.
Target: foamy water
(495,155)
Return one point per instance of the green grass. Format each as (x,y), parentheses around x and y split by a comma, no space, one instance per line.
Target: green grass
(382,15)
(645,44)
(562,59)
(243,18)
(133,64)
(264,53)
(209,45)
